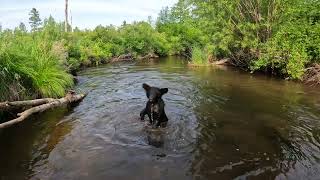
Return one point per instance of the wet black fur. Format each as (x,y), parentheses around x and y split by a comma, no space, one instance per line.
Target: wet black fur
(155,100)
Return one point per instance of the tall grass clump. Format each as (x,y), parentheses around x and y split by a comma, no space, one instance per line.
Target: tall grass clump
(198,56)
(29,69)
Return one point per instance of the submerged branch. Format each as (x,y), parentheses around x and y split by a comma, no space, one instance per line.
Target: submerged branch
(312,75)
(19,104)
(46,104)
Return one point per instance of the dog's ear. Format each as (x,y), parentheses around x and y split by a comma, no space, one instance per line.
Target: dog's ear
(146,86)
(163,90)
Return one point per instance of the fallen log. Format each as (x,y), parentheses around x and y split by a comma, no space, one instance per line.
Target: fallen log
(148,56)
(18,104)
(51,103)
(124,57)
(222,62)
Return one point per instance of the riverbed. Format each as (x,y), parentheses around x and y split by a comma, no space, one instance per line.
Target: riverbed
(223,124)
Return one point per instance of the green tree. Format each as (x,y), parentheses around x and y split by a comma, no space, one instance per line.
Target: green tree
(34,20)
(150,21)
(294,45)
(51,30)
(76,29)
(22,27)
(124,23)
(180,28)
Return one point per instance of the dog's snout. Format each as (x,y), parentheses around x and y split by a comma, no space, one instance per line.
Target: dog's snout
(151,100)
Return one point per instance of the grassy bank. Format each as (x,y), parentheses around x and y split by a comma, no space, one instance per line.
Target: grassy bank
(40,63)
(29,68)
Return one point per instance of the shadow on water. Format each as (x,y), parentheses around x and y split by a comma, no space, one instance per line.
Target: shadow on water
(223,124)
(26,146)
(156,137)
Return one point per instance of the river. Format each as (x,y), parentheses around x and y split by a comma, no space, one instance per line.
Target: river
(223,124)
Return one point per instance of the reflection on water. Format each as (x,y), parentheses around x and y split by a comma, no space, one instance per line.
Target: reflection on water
(155,136)
(223,124)
(25,148)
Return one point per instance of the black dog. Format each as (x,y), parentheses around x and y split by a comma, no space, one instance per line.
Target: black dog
(155,106)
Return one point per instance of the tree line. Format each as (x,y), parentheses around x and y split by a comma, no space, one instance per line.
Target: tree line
(39,63)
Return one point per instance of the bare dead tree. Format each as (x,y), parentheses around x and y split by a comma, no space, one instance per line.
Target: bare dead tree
(71,29)
(66,16)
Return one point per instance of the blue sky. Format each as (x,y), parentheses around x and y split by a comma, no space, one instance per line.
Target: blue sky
(85,13)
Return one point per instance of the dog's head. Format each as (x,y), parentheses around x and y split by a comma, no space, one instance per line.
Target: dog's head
(154,93)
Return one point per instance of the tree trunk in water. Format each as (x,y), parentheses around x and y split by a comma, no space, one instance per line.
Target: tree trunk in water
(51,103)
(66,16)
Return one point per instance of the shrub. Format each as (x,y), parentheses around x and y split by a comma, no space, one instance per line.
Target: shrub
(30,69)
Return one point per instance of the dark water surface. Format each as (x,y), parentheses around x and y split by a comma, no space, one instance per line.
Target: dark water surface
(223,124)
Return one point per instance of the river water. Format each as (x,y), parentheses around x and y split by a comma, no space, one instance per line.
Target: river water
(223,124)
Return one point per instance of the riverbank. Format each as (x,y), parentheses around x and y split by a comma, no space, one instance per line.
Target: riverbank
(310,77)
(41,63)
(279,38)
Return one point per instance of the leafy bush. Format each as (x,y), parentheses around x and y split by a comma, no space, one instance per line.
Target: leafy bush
(296,44)
(281,37)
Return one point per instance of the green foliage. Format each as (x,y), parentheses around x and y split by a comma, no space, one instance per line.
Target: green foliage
(140,38)
(104,43)
(38,64)
(277,36)
(198,56)
(29,69)
(295,44)
(180,30)
(202,56)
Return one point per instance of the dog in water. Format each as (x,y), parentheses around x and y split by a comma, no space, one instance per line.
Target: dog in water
(155,106)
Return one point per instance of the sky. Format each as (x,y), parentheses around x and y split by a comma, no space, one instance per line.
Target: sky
(85,13)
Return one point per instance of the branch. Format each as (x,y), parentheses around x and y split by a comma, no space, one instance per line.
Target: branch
(70,98)
(18,104)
